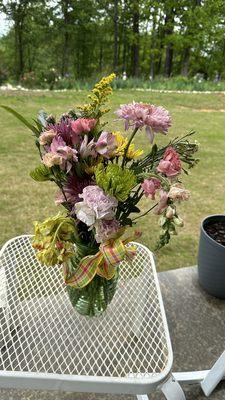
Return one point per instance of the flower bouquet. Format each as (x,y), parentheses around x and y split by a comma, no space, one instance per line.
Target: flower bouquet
(101,178)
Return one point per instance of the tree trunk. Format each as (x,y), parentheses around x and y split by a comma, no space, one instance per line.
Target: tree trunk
(135,44)
(124,40)
(187,50)
(116,34)
(169,60)
(19,55)
(169,25)
(17,12)
(100,56)
(84,61)
(185,61)
(160,36)
(65,49)
(152,57)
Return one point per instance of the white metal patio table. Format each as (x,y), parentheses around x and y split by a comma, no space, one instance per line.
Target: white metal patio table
(46,344)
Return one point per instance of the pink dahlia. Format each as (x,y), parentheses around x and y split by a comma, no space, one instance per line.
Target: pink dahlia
(150,186)
(170,165)
(155,119)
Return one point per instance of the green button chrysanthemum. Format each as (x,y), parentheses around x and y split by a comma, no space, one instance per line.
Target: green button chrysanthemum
(115,181)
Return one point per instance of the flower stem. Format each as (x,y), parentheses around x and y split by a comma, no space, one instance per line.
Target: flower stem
(145,213)
(128,145)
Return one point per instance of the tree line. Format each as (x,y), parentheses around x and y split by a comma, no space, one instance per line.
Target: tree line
(82,38)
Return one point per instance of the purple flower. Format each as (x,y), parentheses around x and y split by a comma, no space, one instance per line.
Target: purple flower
(106,144)
(106,229)
(95,205)
(155,119)
(72,189)
(63,129)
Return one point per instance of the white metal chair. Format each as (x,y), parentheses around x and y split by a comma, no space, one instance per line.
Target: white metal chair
(45,344)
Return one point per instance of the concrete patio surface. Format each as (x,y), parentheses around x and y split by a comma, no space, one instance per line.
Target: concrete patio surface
(197,329)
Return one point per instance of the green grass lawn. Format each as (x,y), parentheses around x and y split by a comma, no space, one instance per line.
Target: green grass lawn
(22,200)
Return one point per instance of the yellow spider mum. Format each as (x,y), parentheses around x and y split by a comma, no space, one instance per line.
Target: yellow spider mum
(121,145)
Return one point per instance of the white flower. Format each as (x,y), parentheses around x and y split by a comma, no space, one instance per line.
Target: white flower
(84,213)
(177,192)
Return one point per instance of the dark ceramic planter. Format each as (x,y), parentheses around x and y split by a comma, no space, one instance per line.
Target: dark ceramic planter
(211,261)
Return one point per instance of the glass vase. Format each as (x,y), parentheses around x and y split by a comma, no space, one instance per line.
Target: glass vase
(93,299)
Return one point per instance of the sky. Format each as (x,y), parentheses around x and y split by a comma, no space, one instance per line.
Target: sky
(4,25)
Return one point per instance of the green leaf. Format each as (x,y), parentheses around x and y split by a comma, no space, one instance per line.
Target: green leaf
(41,173)
(39,126)
(127,221)
(134,209)
(154,150)
(22,119)
(58,174)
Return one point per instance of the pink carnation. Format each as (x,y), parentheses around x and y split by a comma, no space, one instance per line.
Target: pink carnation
(47,137)
(155,119)
(102,203)
(106,144)
(170,165)
(150,186)
(162,202)
(83,125)
(51,159)
(106,229)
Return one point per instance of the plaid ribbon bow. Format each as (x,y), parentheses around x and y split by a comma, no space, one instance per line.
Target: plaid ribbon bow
(102,263)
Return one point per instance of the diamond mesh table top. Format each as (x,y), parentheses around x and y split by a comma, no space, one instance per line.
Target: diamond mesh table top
(41,332)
